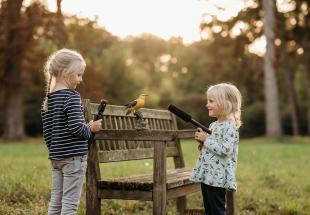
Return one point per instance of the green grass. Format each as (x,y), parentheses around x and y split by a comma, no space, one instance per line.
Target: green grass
(273,178)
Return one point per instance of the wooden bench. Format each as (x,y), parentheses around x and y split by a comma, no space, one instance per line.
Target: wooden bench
(120,141)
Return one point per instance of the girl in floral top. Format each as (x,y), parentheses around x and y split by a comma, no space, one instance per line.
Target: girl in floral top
(217,162)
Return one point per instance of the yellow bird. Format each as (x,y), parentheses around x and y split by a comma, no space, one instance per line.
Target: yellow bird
(136,104)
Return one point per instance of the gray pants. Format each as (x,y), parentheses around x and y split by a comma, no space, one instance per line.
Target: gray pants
(67,181)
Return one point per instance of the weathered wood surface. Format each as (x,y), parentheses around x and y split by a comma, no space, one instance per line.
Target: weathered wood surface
(183,190)
(113,110)
(231,204)
(147,135)
(144,182)
(120,141)
(160,178)
(93,203)
(181,201)
(195,212)
(142,135)
(125,195)
(132,154)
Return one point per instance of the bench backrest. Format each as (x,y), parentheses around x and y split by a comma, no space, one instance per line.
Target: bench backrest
(114,118)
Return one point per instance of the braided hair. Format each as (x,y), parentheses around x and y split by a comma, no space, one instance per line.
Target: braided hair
(61,62)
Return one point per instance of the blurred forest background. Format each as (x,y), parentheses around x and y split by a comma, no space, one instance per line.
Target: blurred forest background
(168,70)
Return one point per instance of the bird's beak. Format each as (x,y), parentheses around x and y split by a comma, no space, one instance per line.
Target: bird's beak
(145,94)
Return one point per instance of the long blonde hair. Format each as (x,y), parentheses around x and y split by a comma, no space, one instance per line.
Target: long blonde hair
(229,99)
(61,62)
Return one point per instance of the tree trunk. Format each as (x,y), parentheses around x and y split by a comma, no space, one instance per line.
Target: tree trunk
(13,109)
(273,126)
(307,66)
(59,13)
(61,35)
(306,47)
(293,96)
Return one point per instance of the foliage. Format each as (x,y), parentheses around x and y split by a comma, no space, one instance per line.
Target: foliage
(123,81)
(170,71)
(253,120)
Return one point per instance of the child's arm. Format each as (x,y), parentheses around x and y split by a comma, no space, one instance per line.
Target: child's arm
(45,130)
(76,122)
(222,146)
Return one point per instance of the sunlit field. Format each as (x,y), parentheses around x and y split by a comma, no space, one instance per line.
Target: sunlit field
(273,178)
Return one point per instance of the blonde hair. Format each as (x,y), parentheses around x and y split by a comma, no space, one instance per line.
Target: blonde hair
(60,63)
(229,99)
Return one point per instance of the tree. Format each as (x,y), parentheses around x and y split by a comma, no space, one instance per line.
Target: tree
(301,31)
(13,112)
(288,62)
(293,32)
(291,28)
(19,31)
(273,126)
(60,33)
(147,49)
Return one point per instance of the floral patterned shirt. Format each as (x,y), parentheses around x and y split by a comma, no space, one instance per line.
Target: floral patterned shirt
(217,162)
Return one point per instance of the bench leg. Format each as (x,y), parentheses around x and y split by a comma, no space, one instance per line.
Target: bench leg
(93,206)
(159,178)
(159,205)
(181,205)
(230,199)
(93,203)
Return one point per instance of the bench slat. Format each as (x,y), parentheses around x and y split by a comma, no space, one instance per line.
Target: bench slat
(128,195)
(114,110)
(175,178)
(147,135)
(132,154)
(134,135)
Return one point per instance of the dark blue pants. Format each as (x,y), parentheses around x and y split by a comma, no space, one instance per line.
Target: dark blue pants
(213,199)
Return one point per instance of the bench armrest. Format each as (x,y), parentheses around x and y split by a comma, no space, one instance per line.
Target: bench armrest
(186,133)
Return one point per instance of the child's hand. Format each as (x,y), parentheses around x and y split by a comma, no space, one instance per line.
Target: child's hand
(200,135)
(95,126)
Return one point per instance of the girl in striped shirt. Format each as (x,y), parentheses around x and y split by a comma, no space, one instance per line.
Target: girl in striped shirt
(65,131)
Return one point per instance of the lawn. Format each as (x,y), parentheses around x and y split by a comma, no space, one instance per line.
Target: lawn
(273,178)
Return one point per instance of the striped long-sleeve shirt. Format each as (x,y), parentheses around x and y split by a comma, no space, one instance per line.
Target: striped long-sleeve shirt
(64,128)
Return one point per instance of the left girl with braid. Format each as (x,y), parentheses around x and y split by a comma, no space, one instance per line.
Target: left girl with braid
(65,131)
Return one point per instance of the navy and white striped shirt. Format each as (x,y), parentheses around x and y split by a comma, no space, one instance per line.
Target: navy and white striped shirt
(64,128)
